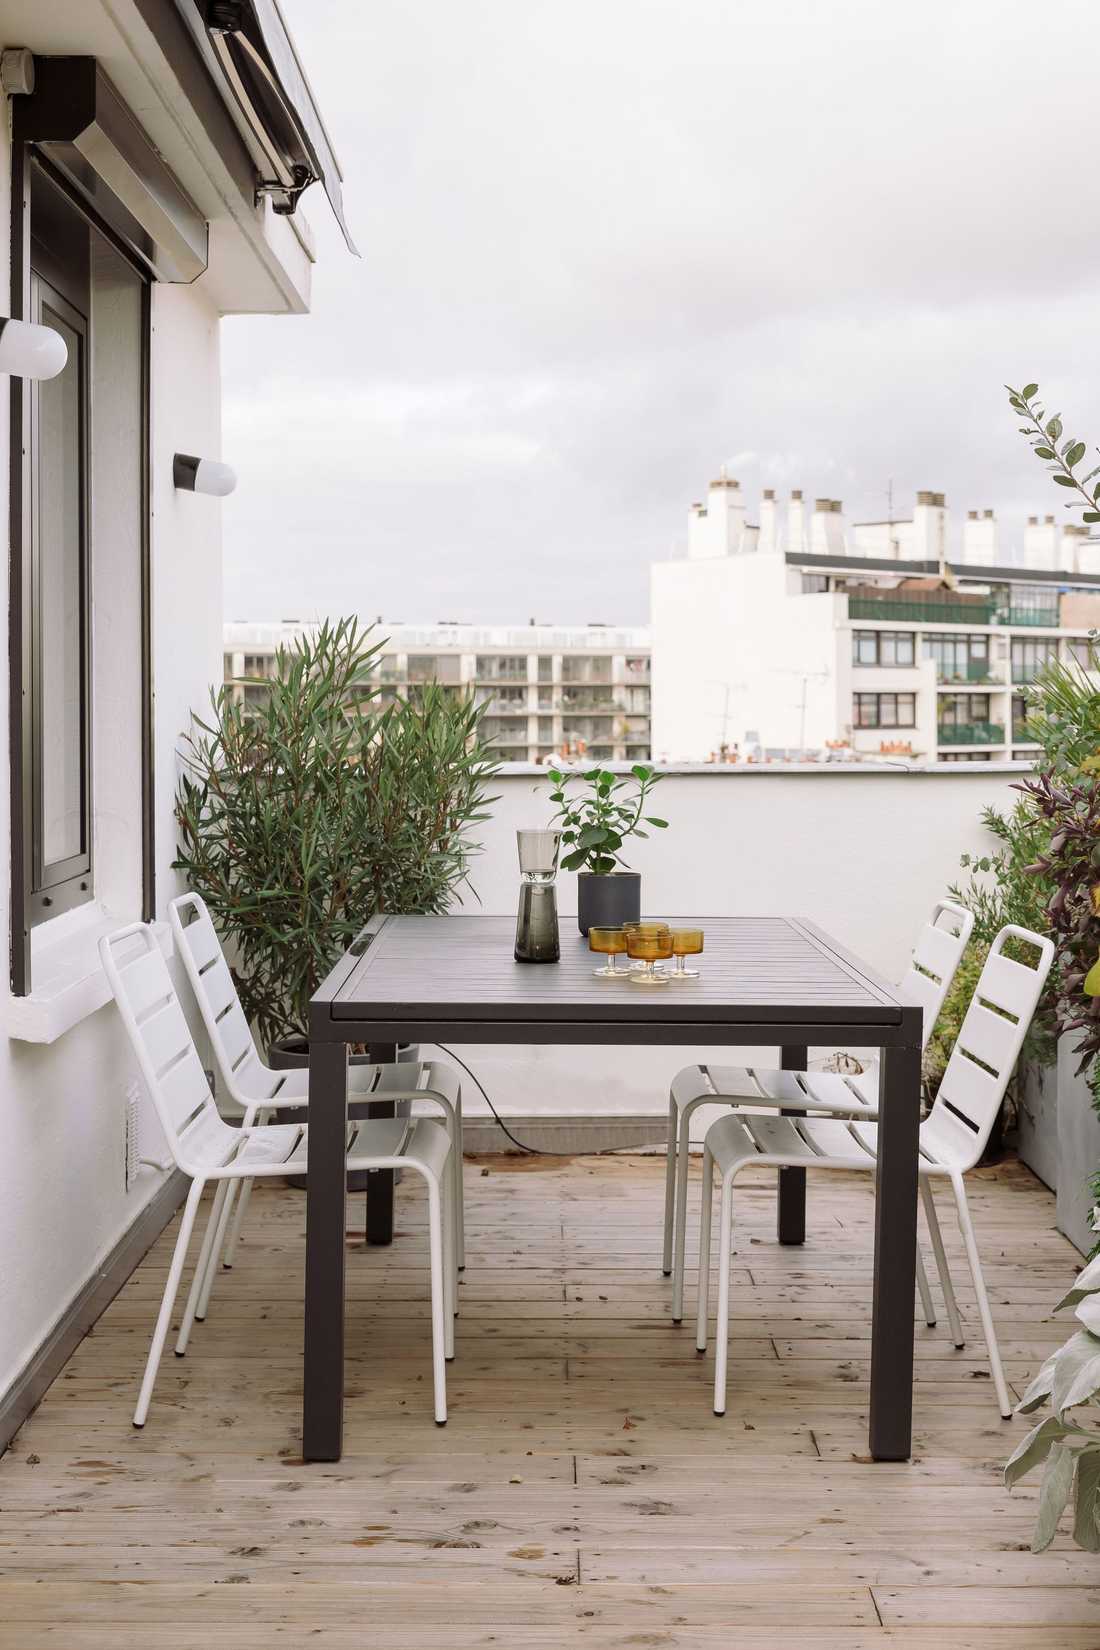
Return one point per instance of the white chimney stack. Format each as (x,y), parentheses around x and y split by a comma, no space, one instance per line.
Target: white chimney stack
(796,522)
(827,527)
(1041,543)
(718,527)
(768,537)
(980,538)
(930,528)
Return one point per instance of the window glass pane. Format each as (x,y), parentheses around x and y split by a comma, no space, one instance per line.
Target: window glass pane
(59,487)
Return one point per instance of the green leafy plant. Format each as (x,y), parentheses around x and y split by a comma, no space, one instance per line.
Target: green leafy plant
(1044,433)
(301,816)
(596,822)
(1068,1452)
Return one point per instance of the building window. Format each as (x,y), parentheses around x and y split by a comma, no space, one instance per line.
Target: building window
(889,648)
(79,485)
(815,584)
(501,667)
(1029,656)
(963,658)
(1083,651)
(546,667)
(258,664)
(962,710)
(884,710)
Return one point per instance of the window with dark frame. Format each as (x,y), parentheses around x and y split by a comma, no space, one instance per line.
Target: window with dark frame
(79,465)
(884,710)
(890,649)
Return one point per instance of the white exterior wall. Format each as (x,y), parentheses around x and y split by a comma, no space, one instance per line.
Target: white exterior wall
(733,654)
(862,851)
(63,1201)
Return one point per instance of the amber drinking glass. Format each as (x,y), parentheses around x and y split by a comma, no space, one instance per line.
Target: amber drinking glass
(609,943)
(686,942)
(646,945)
(645,926)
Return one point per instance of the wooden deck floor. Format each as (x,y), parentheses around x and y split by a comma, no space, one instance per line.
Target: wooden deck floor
(582,1492)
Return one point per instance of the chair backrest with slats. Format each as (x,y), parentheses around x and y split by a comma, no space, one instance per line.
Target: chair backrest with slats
(936,955)
(161,1038)
(245,1078)
(986,1050)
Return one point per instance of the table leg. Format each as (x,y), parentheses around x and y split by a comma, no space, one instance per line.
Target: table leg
(326,1196)
(891,1426)
(791,1206)
(380,1181)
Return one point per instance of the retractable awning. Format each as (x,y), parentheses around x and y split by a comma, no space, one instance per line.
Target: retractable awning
(258,63)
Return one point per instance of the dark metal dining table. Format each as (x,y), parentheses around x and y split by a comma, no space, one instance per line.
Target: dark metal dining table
(778,981)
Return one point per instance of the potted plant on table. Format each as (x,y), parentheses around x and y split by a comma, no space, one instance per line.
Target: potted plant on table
(595,822)
(304,813)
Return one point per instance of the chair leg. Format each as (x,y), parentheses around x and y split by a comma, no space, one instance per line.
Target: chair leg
(924,1292)
(168,1301)
(233,1187)
(201,1266)
(722,1328)
(439,1313)
(460,1200)
(671,1152)
(683,1160)
(454,1176)
(933,1223)
(703,1276)
(243,1198)
(971,1243)
(450,1269)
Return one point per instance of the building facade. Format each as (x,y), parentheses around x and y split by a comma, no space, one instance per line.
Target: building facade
(140,212)
(799,636)
(548,691)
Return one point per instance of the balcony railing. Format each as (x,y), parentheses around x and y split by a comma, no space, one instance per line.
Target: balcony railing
(1040,617)
(971,733)
(974,670)
(914,610)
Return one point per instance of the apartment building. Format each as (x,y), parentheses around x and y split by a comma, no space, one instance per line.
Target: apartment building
(900,638)
(549,691)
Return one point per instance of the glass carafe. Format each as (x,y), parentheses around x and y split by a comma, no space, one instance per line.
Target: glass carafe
(537,918)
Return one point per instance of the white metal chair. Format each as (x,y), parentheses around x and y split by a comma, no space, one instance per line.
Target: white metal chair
(248,1082)
(207,1148)
(936,953)
(952,1139)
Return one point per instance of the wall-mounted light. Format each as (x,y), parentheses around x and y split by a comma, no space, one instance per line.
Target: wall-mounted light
(28,350)
(202,475)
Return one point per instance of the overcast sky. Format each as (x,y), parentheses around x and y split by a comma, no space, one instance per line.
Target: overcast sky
(609,245)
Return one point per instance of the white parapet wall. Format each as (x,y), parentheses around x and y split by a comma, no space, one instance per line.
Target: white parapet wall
(862,851)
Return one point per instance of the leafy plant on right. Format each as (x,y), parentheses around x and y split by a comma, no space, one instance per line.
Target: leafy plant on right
(1068,1452)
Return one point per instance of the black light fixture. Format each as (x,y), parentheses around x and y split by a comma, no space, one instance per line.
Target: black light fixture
(28,350)
(202,475)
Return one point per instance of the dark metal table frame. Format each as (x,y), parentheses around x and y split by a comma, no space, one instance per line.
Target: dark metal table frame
(671,1017)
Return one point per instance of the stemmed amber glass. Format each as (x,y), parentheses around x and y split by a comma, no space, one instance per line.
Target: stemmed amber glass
(649,943)
(610,943)
(686,942)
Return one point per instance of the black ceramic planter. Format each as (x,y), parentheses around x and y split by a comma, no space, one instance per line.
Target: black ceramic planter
(291,1053)
(608,901)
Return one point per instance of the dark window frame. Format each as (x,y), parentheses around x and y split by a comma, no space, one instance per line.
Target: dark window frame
(859,711)
(27,905)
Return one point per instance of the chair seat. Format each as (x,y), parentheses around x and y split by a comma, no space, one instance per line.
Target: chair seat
(395,1080)
(768,1086)
(738,1139)
(376,1143)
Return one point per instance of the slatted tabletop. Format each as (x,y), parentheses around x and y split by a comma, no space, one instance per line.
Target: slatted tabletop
(761,970)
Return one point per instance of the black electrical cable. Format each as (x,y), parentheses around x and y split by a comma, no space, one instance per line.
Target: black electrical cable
(533,1151)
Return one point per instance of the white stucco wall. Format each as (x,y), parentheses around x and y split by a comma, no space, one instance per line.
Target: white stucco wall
(863,852)
(63,1202)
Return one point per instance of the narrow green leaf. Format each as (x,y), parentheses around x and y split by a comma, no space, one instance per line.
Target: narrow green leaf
(1053,1495)
(1034,1449)
(1075,454)
(1064,481)
(1028,391)
(1044,452)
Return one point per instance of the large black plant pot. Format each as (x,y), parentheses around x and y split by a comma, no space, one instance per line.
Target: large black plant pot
(291,1053)
(608,901)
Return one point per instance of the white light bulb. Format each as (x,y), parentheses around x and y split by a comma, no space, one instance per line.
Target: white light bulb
(28,350)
